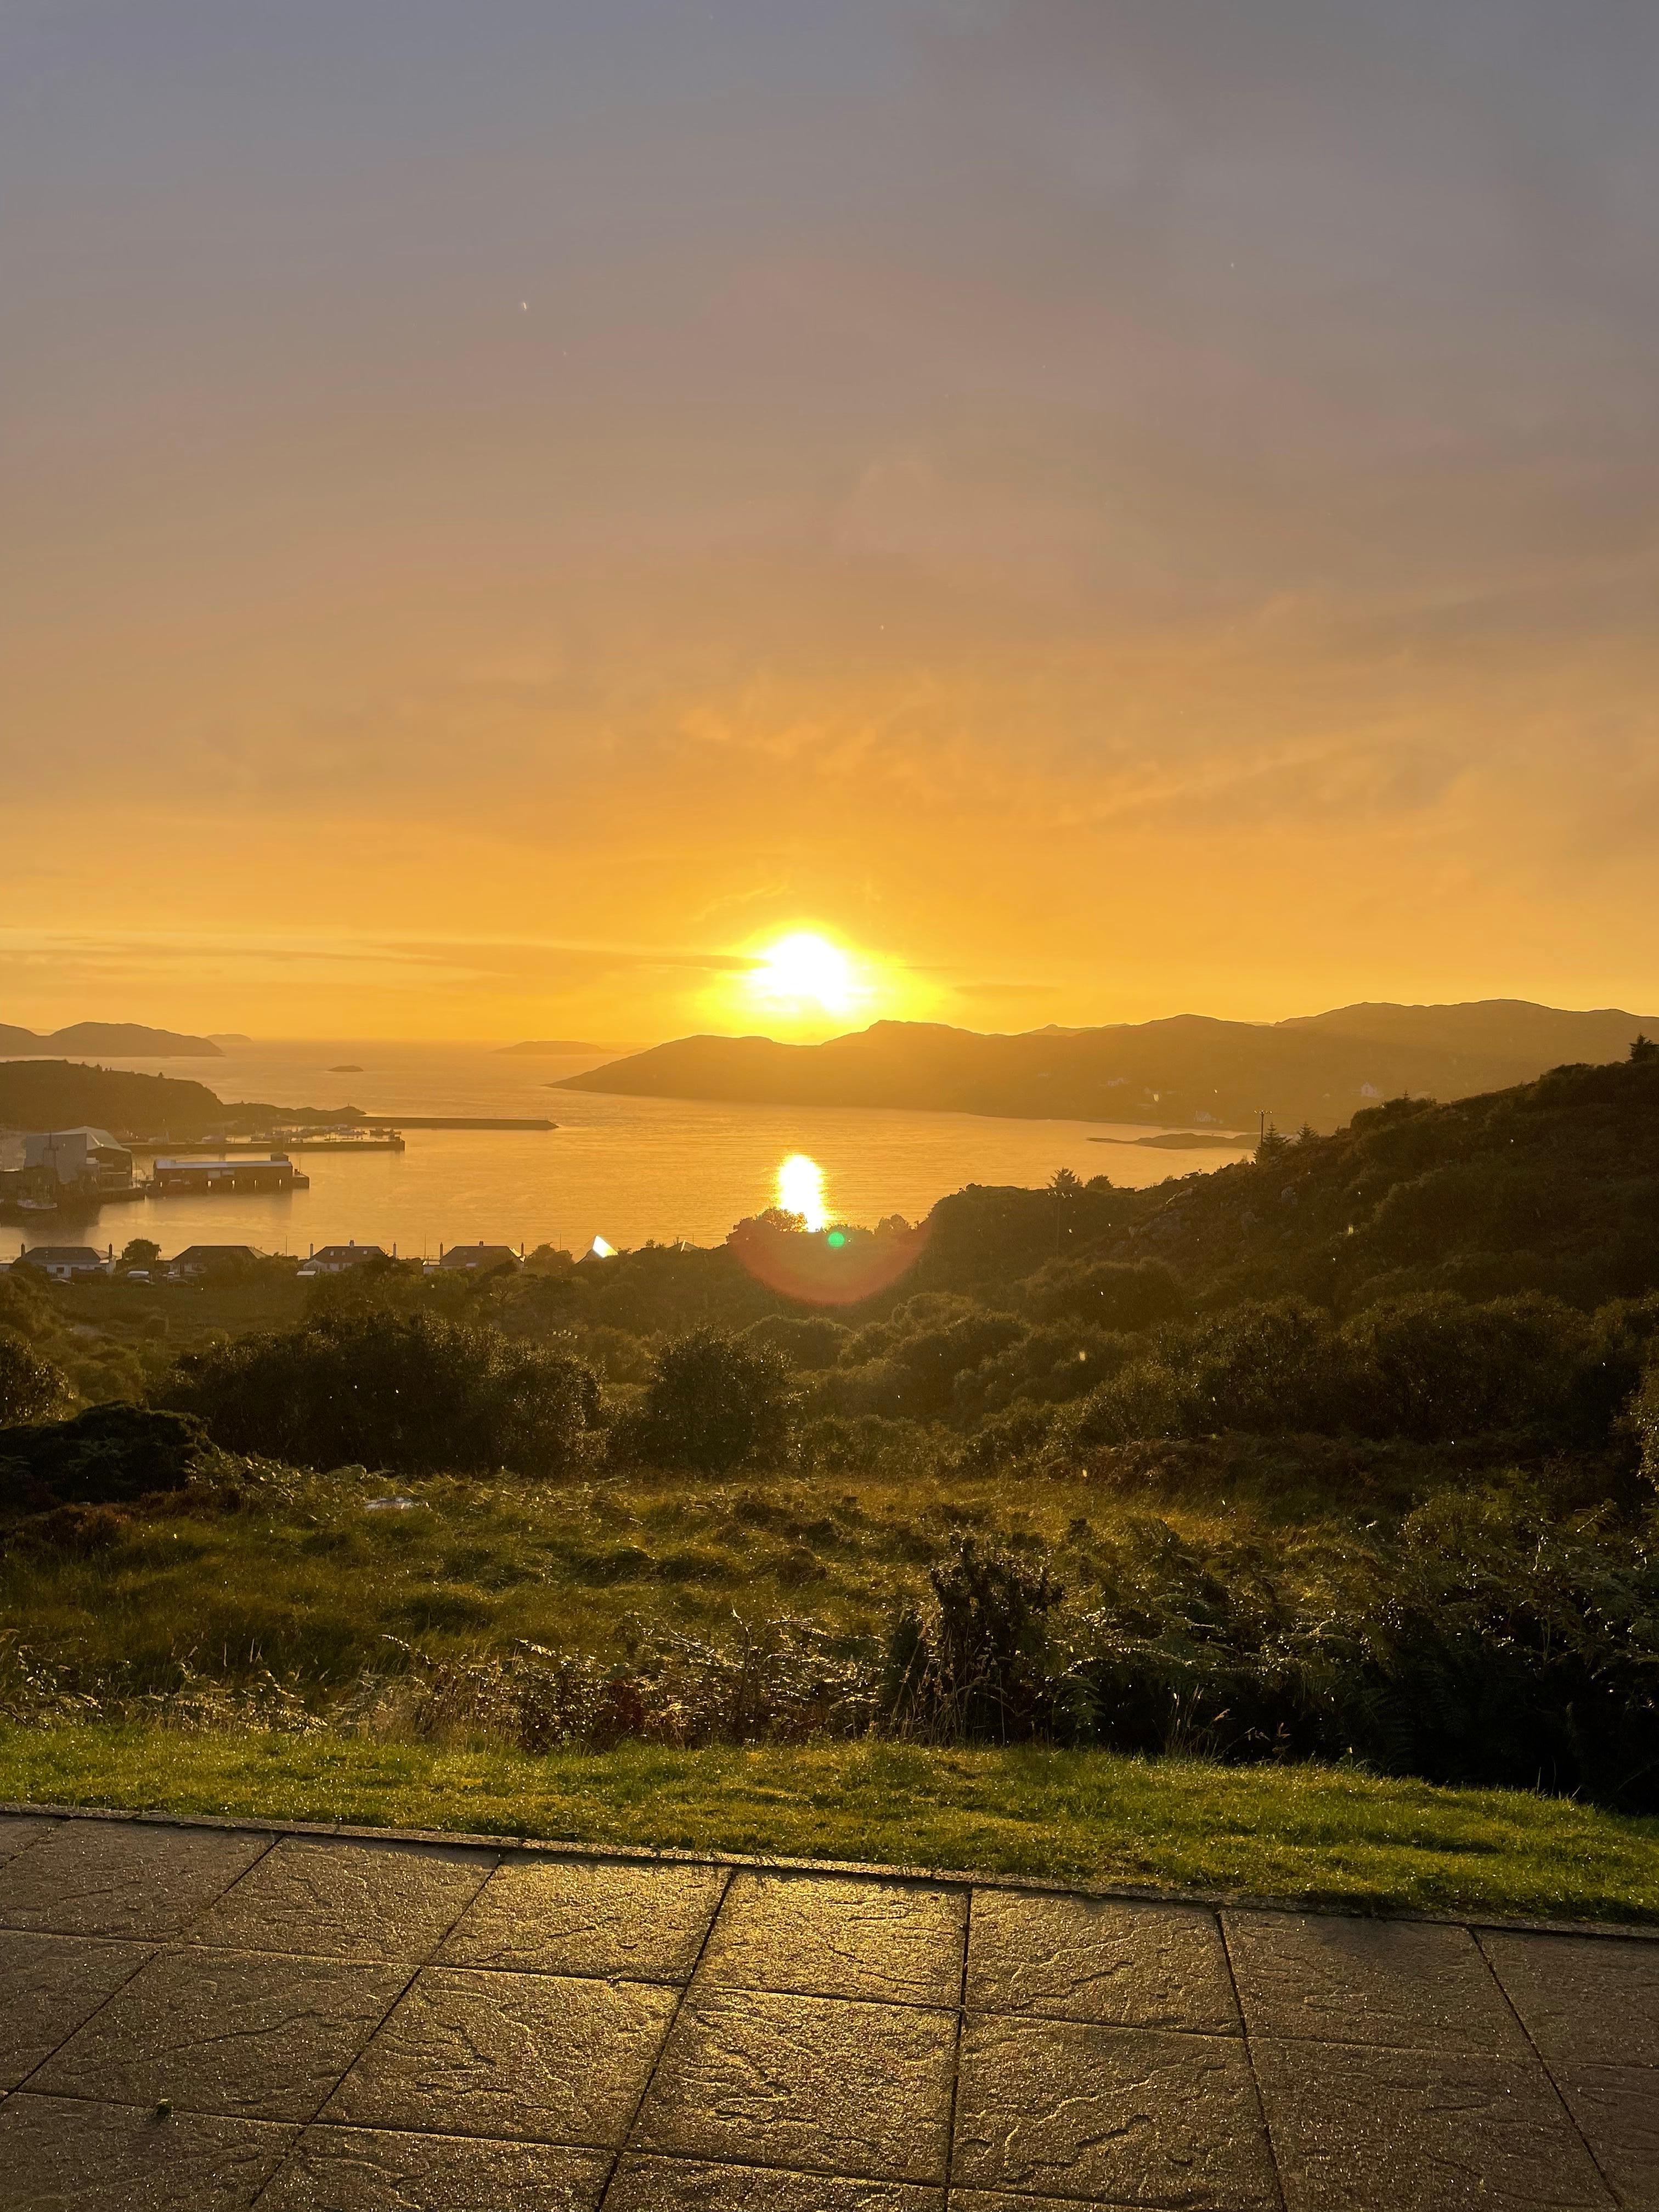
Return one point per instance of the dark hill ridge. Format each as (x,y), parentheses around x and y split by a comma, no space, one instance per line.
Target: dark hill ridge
(1187,1069)
(124,1040)
(63,1094)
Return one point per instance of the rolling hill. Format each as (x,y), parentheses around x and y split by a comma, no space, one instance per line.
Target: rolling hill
(1187,1070)
(121,1040)
(63,1094)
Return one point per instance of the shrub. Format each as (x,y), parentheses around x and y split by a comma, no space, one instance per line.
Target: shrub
(31,1388)
(1644,1419)
(810,1341)
(1430,1366)
(714,1401)
(104,1456)
(972,1660)
(410,1392)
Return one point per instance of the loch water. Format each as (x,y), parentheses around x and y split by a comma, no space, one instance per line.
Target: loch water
(629,1170)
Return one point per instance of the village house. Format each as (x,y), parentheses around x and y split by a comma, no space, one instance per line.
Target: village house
(479,1258)
(198,1263)
(61,1263)
(335,1259)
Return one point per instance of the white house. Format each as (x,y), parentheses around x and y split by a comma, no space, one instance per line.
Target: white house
(63,1262)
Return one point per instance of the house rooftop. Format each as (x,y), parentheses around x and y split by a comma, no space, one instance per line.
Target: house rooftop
(478,1255)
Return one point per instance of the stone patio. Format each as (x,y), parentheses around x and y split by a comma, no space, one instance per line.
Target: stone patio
(198,2016)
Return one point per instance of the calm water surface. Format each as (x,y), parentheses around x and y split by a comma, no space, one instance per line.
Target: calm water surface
(625,1169)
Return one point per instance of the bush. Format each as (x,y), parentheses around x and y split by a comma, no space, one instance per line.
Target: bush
(1430,1366)
(410,1392)
(810,1341)
(1644,1419)
(714,1401)
(972,1661)
(31,1388)
(104,1456)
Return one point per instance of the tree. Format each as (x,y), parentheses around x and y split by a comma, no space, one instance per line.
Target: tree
(31,1388)
(140,1252)
(1644,1048)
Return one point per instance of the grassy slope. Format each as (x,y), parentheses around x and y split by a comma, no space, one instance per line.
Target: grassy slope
(311,1583)
(1307,1833)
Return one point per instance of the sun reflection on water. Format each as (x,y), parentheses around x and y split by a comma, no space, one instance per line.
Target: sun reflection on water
(800,1190)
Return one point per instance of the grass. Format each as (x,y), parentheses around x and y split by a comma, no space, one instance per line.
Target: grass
(310,1581)
(1314,1834)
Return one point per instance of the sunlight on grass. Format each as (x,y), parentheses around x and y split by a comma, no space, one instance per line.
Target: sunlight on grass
(1311,1833)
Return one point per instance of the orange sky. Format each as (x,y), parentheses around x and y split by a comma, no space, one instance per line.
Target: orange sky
(1102,510)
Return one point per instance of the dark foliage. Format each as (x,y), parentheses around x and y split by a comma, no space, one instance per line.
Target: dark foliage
(1433,1367)
(970,1663)
(31,1388)
(104,1456)
(412,1392)
(1492,1642)
(714,1401)
(810,1342)
(1108,1294)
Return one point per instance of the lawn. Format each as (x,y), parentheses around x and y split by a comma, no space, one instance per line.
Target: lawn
(1310,1834)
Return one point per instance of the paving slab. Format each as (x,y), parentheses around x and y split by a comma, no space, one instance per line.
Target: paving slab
(1356,2127)
(644,2184)
(823,1935)
(1111,2115)
(17,1834)
(1583,2001)
(49,1984)
(1408,1984)
(346,1900)
(239,2032)
(1094,1959)
(643,1923)
(60,2154)
(199,2015)
(530,2057)
(114,1878)
(831,2084)
(1617,2111)
(332,2169)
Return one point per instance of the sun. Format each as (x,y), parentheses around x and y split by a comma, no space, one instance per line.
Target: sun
(804,974)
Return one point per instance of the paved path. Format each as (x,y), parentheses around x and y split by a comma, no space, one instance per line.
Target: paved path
(195,2019)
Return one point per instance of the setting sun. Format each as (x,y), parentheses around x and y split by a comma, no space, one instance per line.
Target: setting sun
(805,974)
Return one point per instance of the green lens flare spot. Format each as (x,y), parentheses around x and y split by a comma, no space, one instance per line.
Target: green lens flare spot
(835,1240)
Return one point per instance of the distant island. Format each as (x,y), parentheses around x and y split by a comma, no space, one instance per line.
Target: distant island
(123,1040)
(546,1048)
(1189,1070)
(1185,1140)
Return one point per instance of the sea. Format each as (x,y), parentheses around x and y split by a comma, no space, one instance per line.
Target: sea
(629,1170)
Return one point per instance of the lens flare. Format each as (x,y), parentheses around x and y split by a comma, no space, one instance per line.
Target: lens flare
(800,1190)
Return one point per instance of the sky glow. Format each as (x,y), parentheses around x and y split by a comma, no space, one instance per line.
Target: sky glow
(510,516)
